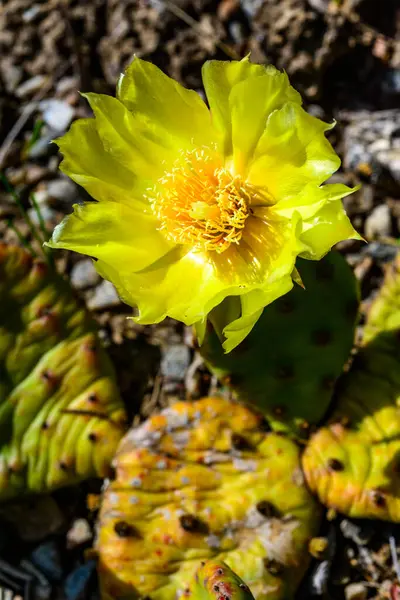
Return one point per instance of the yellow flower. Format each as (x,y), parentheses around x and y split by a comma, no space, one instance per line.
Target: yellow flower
(196,205)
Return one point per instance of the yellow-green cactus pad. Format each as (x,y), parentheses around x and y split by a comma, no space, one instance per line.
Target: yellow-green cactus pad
(60,412)
(353,463)
(288,364)
(214,580)
(203,481)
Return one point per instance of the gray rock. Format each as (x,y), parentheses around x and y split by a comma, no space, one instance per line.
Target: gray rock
(379,222)
(84,275)
(175,362)
(355,591)
(358,532)
(63,190)
(373,138)
(105,296)
(80,533)
(44,146)
(47,213)
(57,114)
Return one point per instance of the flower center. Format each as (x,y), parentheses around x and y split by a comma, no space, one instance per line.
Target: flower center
(201,203)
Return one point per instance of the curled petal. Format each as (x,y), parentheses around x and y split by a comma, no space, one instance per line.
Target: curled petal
(328,227)
(292,152)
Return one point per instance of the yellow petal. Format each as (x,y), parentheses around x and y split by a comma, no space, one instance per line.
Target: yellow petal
(87,163)
(328,227)
(252,101)
(163,107)
(311,199)
(264,94)
(114,233)
(292,152)
(253,304)
(138,149)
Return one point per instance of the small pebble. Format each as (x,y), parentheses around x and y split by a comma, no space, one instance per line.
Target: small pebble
(175,362)
(63,190)
(84,275)
(80,533)
(358,533)
(378,223)
(30,86)
(355,591)
(57,114)
(105,296)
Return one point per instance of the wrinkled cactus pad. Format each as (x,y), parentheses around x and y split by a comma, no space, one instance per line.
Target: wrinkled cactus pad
(288,364)
(214,580)
(203,481)
(60,412)
(353,463)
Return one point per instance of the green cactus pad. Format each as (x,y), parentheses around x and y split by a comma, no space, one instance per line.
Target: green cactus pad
(353,463)
(203,481)
(214,580)
(60,412)
(288,364)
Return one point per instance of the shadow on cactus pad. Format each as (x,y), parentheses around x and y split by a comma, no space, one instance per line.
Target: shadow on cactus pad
(203,481)
(61,416)
(353,463)
(287,366)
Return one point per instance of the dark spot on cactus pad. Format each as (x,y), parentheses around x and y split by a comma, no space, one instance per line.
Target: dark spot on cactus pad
(321,337)
(279,411)
(44,311)
(328,382)
(220,571)
(285,372)
(193,524)
(267,509)
(216,588)
(335,464)
(45,425)
(92,437)
(239,442)
(305,426)
(47,375)
(324,271)
(285,306)
(273,566)
(123,530)
(63,465)
(92,398)
(243,586)
(90,346)
(379,499)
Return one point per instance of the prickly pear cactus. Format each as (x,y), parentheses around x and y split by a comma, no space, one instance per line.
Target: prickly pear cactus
(203,481)
(288,364)
(214,580)
(353,463)
(60,412)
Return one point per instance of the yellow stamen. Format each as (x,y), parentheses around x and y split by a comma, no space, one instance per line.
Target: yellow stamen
(199,202)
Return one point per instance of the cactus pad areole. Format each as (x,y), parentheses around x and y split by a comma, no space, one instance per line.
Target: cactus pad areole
(60,412)
(203,481)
